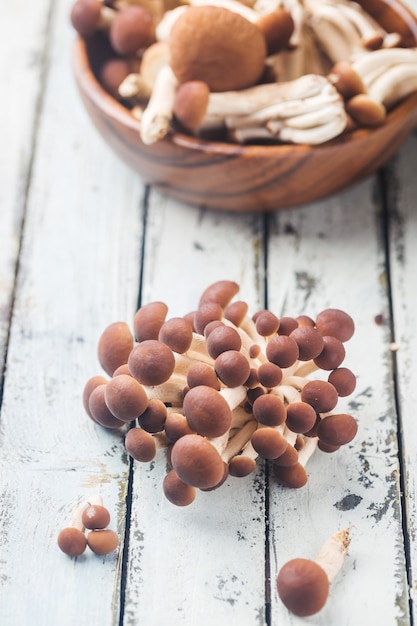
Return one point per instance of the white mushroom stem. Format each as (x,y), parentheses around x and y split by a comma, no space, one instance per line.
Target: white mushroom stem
(163,28)
(308,110)
(372,64)
(307,451)
(95,499)
(169,392)
(335,34)
(75,520)
(157,116)
(230,447)
(249,101)
(333,552)
(134,86)
(370,31)
(389,75)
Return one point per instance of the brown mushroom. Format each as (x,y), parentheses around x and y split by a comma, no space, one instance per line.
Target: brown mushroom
(344,381)
(125,397)
(282,350)
(71,539)
(197,462)
(87,16)
(148,320)
(102,541)
(202,48)
(114,346)
(177,491)
(190,104)
(336,323)
(303,585)
(95,516)
(131,30)
(269,410)
(151,362)
(320,394)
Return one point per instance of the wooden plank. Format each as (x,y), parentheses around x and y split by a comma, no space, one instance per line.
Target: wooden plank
(403,261)
(78,271)
(24,43)
(331,255)
(204,563)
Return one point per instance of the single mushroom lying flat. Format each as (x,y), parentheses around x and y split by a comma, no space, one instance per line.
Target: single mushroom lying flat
(303,585)
(71,539)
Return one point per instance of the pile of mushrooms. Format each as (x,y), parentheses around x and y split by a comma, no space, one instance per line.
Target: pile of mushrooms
(217,389)
(286,71)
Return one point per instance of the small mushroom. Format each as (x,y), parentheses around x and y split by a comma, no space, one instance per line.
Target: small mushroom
(71,539)
(177,491)
(114,346)
(102,541)
(87,16)
(95,516)
(131,30)
(197,462)
(303,585)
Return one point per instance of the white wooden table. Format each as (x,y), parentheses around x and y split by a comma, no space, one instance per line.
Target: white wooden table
(82,244)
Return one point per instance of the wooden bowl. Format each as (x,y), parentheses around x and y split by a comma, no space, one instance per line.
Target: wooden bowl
(231,177)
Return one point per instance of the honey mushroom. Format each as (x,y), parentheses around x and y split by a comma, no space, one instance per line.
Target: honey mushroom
(303,584)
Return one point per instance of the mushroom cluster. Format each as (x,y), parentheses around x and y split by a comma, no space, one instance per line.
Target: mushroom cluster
(90,515)
(217,388)
(286,71)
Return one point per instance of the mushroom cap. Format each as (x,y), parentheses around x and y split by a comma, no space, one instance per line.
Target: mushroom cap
(112,74)
(190,104)
(336,323)
(277,27)
(140,445)
(320,394)
(177,491)
(223,338)
(344,380)
(131,30)
(148,320)
(125,397)
(282,350)
(266,323)
(346,80)
(206,313)
(236,312)
(309,341)
(85,15)
(200,373)
(287,325)
(95,516)
(332,355)
(221,292)
(151,362)
(303,586)
(337,430)
(177,333)
(232,368)
(207,411)
(241,466)
(301,417)
(72,541)
(176,426)
(269,374)
(153,417)
(288,458)
(89,386)
(292,476)
(217,46)
(366,111)
(197,462)
(268,442)
(99,410)
(114,346)
(102,541)
(269,410)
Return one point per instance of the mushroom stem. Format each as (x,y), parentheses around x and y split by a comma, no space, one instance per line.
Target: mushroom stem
(157,116)
(333,552)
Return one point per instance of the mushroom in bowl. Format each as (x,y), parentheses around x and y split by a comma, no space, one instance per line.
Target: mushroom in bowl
(301,129)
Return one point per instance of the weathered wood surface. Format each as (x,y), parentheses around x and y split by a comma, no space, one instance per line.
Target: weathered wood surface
(94,244)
